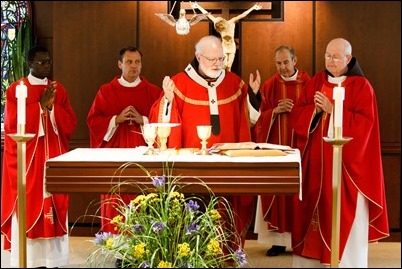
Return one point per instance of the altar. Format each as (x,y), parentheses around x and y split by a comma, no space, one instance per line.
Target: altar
(98,170)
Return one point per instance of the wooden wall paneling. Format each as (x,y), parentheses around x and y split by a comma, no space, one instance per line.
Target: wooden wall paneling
(86,44)
(259,39)
(392,172)
(42,17)
(165,52)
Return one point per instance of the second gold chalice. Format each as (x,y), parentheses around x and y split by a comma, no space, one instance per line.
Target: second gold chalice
(204,132)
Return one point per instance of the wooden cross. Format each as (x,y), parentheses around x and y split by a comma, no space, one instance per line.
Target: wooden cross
(228,9)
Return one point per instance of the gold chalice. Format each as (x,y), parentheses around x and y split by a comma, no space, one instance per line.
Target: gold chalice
(163,132)
(204,132)
(149,134)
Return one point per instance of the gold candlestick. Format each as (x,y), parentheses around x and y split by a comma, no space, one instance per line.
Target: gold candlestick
(337,143)
(21,138)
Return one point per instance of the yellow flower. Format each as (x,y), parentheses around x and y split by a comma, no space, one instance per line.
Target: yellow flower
(214,214)
(213,247)
(163,228)
(152,198)
(163,264)
(109,243)
(139,250)
(177,195)
(117,220)
(139,199)
(184,250)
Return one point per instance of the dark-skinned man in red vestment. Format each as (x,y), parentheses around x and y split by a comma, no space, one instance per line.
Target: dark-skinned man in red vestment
(50,117)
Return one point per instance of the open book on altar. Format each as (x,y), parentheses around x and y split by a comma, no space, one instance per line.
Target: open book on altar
(250,149)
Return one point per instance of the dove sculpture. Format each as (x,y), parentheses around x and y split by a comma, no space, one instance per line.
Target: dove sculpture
(182,24)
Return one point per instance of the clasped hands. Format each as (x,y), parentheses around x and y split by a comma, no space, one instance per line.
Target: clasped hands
(322,103)
(129,113)
(47,98)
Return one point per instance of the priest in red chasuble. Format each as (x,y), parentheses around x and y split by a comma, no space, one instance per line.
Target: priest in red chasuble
(120,109)
(206,94)
(274,215)
(50,117)
(363,212)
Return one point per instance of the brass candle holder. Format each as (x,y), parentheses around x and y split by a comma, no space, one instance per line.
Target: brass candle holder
(337,143)
(21,138)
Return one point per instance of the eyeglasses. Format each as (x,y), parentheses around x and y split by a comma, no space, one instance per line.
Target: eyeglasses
(335,58)
(42,62)
(214,60)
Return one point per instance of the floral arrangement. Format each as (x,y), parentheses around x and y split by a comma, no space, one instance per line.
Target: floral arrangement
(163,228)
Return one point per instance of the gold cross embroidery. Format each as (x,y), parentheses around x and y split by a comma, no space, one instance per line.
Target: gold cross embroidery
(49,215)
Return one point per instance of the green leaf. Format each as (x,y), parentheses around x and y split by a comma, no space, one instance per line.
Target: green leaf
(24,42)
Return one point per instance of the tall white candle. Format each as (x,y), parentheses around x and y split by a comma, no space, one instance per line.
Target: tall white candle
(21,94)
(338,96)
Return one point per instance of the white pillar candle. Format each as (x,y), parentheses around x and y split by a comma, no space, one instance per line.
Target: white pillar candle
(21,94)
(338,96)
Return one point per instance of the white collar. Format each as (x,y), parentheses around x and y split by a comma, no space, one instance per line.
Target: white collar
(337,79)
(125,83)
(37,81)
(292,78)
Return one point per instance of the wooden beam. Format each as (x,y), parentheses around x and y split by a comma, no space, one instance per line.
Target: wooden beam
(226,9)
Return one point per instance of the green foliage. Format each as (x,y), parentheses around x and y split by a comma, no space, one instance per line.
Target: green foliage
(16,62)
(20,48)
(162,228)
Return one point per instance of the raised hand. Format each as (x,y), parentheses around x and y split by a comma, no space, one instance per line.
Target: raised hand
(168,87)
(255,84)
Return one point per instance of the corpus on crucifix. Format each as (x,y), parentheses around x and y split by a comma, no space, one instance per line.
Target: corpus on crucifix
(226,28)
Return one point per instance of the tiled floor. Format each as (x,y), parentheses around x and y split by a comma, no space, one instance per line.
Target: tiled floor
(381,255)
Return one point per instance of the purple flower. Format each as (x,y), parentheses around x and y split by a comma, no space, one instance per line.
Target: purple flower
(192,206)
(159,181)
(138,228)
(192,228)
(241,257)
(158,226)
(101,237)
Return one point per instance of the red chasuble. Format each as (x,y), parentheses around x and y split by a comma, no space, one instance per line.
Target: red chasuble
(278,210)
(361,169)
(191,107)
(110,100)
(45,217)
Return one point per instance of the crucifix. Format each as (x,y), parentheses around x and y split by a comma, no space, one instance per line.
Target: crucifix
(224,26)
